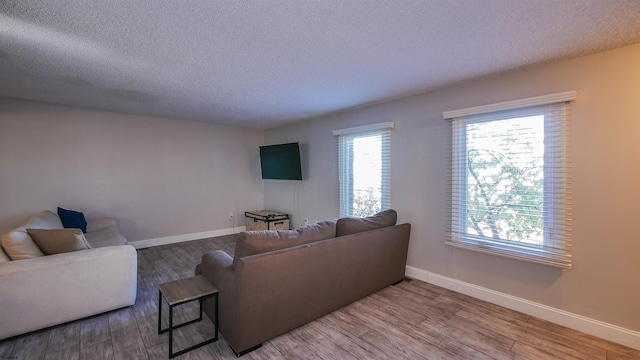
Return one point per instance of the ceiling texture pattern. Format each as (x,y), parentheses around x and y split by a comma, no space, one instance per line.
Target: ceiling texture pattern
(267,63)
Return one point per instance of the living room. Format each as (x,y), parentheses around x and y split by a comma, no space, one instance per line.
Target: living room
(169,180)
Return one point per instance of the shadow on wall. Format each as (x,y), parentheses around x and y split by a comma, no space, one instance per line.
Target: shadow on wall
(10,222)
(127,227)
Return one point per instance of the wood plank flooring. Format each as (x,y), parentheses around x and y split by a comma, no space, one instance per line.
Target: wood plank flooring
(412,320)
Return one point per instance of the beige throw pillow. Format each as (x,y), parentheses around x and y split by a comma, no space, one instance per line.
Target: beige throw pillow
(19,246)
(59,240)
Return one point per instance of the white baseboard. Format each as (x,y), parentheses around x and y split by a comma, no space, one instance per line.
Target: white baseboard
(141,244)
(590,326)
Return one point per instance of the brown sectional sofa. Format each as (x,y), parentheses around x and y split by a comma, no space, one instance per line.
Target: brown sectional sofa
(279,280)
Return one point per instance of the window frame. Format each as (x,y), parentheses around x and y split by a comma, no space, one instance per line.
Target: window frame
(555,249)
(345,137)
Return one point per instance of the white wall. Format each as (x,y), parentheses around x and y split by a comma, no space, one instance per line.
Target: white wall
(159,177)
(603,284)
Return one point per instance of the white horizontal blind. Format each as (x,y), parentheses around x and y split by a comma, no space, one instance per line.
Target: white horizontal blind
(510,185)
(364,169)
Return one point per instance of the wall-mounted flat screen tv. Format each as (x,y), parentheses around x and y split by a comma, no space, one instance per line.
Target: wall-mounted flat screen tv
(281,162)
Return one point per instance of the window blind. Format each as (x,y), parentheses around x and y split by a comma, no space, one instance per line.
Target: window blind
(510,188)
(364,169)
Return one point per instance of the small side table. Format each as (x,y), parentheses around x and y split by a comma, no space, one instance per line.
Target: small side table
(182,291)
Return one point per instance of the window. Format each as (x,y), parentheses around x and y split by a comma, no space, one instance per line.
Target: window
(510,188)
(364,169)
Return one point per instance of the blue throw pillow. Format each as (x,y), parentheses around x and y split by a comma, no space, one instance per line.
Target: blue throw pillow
(72,219)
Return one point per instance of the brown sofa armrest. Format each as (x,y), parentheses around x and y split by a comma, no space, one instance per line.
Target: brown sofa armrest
(214,264)
(216,268)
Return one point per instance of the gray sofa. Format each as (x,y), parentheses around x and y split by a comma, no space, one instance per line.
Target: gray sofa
(39,290)
(279,280)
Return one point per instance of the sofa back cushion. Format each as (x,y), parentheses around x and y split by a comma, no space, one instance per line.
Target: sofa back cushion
(57,241)
(44,220)
(258,242)
(19,245)
(350,225)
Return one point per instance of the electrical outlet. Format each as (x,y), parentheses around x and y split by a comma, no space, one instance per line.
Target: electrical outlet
(230,215)
(306,221)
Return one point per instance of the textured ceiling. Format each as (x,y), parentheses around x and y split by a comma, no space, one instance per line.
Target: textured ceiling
(265,63)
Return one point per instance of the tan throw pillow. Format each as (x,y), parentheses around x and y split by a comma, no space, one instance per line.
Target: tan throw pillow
(19,246)
(59,240)
(258,242)
(349,225)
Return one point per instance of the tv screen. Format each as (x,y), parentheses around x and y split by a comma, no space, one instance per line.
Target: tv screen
(281,162)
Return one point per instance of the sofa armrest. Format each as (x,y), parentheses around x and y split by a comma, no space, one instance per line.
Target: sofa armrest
(216,268)
(99,223)
(50,290)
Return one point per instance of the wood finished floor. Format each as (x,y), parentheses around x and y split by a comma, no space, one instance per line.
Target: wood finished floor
(412,320)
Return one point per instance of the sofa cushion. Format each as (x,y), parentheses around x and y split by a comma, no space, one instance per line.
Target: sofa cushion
(19,246)
(72,219)
(58,241)
(108,236)
(351,225)
(257,242)
(44,220)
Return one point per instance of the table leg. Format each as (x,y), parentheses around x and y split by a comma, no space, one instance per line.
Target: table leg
(171,327)
(159,312)
(216,316)
(171,355)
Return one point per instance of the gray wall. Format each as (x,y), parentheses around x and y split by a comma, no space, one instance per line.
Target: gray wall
(159,177)
(606,176)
